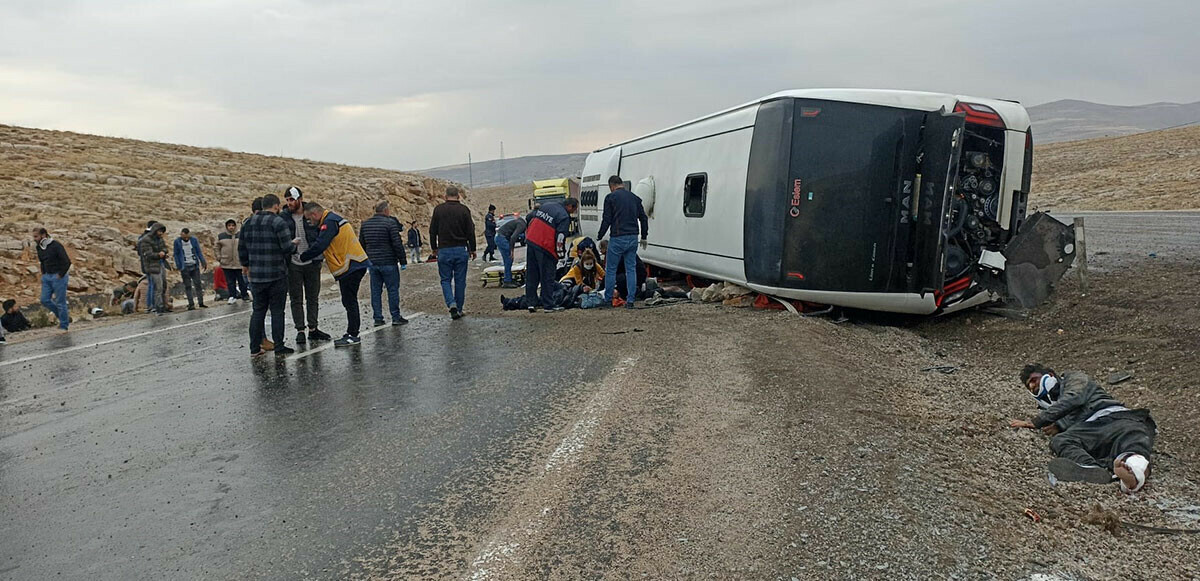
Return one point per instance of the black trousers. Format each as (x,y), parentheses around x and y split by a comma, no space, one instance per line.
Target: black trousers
(349,284)
(1099,442)
(267,295)
(304,288)
(540,270)
(489,253)
(191,280)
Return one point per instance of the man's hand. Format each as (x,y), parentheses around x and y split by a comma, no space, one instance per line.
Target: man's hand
(642,244)
(1026,424)
(587,289)
(162,254)
(296,241)
(472,256)
(1050,430)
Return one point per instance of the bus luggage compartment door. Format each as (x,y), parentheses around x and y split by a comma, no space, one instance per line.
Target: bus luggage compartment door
(1036,258)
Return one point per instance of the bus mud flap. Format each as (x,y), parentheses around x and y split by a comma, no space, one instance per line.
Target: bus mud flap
(1037,258)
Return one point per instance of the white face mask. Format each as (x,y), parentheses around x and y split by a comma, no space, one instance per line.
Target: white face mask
(589,265)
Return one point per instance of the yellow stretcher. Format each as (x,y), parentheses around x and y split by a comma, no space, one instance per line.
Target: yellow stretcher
(494,275)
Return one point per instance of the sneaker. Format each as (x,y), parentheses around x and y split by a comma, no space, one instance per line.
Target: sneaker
(203,306)
(283,350)
(232,300)
(1067,471)
(532,309)
(245,299)
(630,306)
(300,338)
(554,309)
(318,335)
(454,314)
(191,307)
(3,340)
(268,345)
(379,323)
(257,354)
(400,321)
(347,341)
(509,285)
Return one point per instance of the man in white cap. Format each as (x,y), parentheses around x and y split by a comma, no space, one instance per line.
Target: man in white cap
(304,276)
(1096,438)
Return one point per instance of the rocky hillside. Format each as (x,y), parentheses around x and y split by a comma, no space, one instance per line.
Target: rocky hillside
(95,194)
(1159,170)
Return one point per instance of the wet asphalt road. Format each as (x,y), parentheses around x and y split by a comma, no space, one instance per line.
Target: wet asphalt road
(165,452)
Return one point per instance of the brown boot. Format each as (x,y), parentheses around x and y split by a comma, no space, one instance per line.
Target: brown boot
(267,345)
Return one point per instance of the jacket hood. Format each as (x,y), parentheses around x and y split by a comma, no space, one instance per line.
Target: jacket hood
(158,226)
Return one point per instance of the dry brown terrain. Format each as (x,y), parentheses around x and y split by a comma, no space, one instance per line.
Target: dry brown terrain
(1158,170)
(95,194)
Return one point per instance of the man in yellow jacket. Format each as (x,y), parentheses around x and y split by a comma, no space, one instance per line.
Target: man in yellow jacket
(346,259)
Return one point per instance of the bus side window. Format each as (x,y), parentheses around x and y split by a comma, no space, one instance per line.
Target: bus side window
(695,194)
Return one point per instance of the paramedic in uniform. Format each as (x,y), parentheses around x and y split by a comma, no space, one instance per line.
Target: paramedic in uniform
(545,242)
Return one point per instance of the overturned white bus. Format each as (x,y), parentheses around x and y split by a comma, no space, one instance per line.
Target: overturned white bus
(894,201)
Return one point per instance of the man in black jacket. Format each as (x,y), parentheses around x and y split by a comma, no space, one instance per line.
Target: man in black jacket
(304,276)
(623,211)
(451,240)
(414,241)
(380,237)
(1091,431)
(55,264)
(489,234)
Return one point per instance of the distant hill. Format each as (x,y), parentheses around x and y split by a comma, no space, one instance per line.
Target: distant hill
(1070,120)
(1149,171)
(512,171)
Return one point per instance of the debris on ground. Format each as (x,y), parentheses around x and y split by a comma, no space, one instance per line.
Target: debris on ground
(1119,377)
(946,369)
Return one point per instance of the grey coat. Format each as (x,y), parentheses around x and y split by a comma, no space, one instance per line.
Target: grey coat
(1081,397)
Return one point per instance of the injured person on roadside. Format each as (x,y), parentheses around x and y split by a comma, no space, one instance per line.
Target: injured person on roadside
(1094,436)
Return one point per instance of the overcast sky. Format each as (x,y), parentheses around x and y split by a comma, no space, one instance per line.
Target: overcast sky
(413,84)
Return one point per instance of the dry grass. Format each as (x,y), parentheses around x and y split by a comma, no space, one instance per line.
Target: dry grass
(1159,170)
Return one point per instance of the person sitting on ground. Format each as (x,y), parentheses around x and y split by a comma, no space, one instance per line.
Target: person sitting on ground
(141,295)
(220,286)
(347,262)
(1094,436)
(13,320)
(123,297)
(587,274)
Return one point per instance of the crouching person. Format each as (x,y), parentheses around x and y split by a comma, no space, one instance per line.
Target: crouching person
(1094,436)
(347,262)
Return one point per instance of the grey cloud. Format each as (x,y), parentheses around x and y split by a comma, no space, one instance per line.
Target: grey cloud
(412,84)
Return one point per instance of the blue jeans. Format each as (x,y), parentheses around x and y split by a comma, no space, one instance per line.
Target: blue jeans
(505,248)
(621,248)
(54,297)
(452,265)
(389,275)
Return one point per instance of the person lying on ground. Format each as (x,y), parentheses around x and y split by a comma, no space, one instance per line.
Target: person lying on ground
(1094,436)
(13,320)
(123,297)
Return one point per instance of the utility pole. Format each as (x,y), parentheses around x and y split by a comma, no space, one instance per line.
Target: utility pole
(503,170)
(470,172)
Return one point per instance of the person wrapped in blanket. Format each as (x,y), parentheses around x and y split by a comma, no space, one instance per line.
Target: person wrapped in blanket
(584,278)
